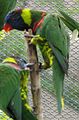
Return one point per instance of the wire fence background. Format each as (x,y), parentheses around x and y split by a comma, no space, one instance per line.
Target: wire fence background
(14,44)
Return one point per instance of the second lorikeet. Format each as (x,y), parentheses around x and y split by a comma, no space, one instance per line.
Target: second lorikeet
(14,104)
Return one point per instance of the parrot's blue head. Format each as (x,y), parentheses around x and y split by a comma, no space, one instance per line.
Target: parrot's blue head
(14,21)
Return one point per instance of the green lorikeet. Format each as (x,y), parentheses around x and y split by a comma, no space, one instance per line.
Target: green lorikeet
(14,105)
(5,7)
(52,39)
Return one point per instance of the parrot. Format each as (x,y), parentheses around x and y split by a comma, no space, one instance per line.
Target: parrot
(14,104)
(5,7)
(51,37)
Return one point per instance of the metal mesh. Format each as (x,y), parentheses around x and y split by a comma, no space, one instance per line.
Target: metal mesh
(14,44)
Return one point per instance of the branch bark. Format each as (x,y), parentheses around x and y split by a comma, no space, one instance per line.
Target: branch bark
(34,75)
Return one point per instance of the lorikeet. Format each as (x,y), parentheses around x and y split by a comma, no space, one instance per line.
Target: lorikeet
(5,7)
(14,73)
(52,39)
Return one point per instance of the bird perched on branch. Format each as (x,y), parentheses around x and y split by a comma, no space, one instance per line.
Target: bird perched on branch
(52,39)
(14,73)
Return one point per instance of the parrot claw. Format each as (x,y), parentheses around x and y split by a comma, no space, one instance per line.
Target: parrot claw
(26,34)
(29,66)
(42,66)
(36,39)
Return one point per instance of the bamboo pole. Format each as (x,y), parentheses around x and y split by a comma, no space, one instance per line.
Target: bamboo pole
(34,75)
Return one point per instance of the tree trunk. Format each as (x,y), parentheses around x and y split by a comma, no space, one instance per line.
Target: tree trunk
(34,75)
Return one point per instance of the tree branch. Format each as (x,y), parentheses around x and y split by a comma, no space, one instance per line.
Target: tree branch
(34,75)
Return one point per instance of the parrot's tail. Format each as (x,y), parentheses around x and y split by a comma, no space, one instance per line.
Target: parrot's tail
(69,22)
(61,59)
(58,80)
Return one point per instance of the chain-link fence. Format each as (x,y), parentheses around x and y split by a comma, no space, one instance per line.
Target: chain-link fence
(14,44)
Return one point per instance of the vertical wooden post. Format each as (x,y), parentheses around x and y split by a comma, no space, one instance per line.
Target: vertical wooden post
(34,75)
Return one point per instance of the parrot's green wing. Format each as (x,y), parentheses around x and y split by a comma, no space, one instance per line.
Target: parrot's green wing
(54,32)
(27,114)
(69,22)
(5,7)
(61,59)
(9,79)
(15,105)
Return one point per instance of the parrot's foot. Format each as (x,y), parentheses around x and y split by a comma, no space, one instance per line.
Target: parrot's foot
(36,39)
(28,35)
(43,66)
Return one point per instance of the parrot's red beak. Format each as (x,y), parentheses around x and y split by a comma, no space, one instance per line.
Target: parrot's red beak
(7,27)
